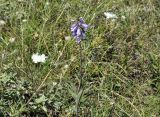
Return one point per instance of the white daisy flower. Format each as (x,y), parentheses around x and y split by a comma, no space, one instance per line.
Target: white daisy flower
(110,15)
(2,22)
(39,58)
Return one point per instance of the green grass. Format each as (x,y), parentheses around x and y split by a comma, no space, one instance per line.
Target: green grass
(121,59)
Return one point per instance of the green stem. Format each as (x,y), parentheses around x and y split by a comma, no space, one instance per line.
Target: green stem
(81,74)
(81,81)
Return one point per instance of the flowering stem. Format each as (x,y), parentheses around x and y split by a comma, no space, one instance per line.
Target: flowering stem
(80,89)
(81,74)
(78,30)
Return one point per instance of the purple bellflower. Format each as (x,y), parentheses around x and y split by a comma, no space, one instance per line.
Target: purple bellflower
(79,29)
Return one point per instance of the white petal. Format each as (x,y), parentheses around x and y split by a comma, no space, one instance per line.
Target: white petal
(110,15)
(2,22)
(38,58)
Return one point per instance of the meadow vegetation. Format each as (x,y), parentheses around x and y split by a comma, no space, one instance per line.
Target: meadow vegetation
(120,62)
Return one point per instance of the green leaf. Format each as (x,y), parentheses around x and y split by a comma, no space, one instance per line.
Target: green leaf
(73,94)
(72,90)
(41,99)
(79,96)
(44,108)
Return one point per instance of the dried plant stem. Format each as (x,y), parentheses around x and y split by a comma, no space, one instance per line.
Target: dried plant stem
(40,86)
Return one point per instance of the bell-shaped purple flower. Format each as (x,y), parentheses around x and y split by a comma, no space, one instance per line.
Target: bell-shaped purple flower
(79,29)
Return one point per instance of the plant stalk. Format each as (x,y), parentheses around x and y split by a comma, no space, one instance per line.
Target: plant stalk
(81,81)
